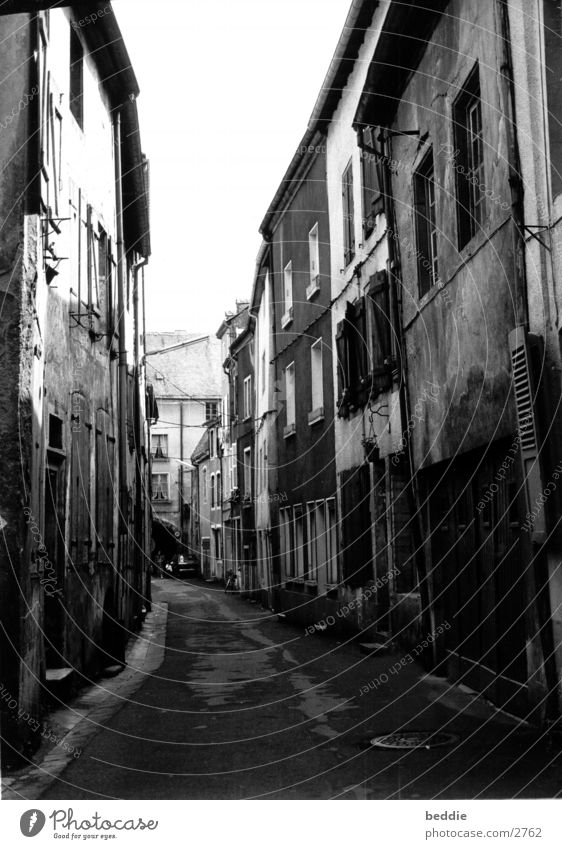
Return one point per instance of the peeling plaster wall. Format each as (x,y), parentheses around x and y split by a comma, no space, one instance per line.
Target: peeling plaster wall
(457,334)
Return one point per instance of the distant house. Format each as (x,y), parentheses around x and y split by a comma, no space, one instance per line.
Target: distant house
(184,370)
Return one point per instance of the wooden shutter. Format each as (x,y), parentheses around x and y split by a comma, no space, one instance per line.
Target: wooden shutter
(521,344)
(372,182)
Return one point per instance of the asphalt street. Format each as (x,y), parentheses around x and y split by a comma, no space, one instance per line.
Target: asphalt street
(246,705)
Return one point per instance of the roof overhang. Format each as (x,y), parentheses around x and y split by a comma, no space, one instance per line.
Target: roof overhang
(407,28)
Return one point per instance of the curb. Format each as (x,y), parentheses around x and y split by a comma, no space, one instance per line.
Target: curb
(92,708)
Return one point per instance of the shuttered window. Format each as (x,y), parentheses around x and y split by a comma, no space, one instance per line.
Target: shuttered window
(378,304)
(371,181)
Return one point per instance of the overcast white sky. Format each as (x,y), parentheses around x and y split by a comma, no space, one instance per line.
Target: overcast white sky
(226,92)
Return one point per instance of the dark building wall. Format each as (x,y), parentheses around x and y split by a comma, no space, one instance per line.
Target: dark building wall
(306,460)
(305,467)
(20,593)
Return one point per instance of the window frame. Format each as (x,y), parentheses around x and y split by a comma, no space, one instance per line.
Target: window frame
(248,397)
(469,167)
(166,477)
(348,209)
(290,399)
(426,224)
(316,381)
(287,294)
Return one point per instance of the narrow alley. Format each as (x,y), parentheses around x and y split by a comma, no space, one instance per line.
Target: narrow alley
(246,706)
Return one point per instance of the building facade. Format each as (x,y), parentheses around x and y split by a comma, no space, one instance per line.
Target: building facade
(75,462)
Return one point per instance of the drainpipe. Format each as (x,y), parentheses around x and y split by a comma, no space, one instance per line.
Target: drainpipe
(427,612)
(139,480)
(122,358)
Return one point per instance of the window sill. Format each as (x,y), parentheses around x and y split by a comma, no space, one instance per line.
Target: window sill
(289,431)
(316,416)
(287,318)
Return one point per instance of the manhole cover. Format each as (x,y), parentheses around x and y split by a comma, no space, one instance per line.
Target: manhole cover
(414,740)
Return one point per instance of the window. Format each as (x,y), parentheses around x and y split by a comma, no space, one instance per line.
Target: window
(160,446)
(219,490)
(378,305)
(314,260)
(300,559)
(263,372)
(352,359)
(204,484)
(316,379)
(55,432)
(76,93)
(290,398)
(248,397)
(212,444)
(371,181)
(211,410)
(212,492)
(469,160)
(234,467)
(312,541)
(287,294)
(160,491)
(264,480)
(348,215)
(287,541)
(426,227)
(248,472)
(331,542)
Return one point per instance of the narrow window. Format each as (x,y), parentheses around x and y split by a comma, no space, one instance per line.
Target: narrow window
(160,490)
(247,397)
(204,484)
(212,491)
(331,542)
(312,540)
(299,542)
(348,215)
(426,228)
(314,260)
(288,293)
(469,160)
(76,95)
(371,183)
(160,446)
(248,472)
(290,394)
(316,377)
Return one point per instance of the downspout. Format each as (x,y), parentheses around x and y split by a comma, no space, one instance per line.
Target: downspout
(427,612)
(122,356)
(139,487)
